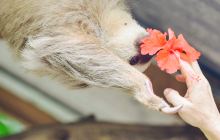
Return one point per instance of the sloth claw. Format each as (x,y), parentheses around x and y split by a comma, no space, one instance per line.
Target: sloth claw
(165,108)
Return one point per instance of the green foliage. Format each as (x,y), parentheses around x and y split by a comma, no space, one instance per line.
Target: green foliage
(4,130)
(9,126)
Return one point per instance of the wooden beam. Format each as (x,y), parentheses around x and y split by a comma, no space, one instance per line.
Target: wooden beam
(23,110)
(109,131)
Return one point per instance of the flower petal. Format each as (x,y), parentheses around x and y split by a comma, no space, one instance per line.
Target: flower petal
(170,43)
(153,43)
(146,49)
(184,57)
(190,52)
(168,51)
(167,61)
(171,34)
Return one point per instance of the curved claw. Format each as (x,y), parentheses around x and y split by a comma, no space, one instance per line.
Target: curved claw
(165,108)
(171,110)
(155,101)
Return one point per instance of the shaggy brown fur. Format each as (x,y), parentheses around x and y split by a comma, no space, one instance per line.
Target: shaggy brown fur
(83,42)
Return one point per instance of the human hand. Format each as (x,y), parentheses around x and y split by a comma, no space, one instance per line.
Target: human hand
(199,108)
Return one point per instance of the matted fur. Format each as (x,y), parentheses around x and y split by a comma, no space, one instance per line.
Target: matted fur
(82,42)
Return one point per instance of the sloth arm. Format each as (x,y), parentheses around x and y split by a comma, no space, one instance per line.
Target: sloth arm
(89,63)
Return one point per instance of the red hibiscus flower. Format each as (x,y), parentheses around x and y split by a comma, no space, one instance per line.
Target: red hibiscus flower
(153,43)
(168,51)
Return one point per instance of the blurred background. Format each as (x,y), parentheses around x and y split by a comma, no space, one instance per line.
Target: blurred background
(28,101)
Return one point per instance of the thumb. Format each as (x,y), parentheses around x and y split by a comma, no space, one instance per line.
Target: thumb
(174,97)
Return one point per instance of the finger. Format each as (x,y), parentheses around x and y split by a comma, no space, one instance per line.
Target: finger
(174,97)
(189,73)
(181,78)
(196,67)
(186,69)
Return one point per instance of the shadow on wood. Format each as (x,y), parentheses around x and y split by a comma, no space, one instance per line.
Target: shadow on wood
(92,130)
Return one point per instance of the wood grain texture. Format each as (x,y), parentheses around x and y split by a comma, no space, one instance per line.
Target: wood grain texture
(24,111)
(91,130)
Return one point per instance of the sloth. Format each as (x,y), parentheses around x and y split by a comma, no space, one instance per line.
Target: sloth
(83,43)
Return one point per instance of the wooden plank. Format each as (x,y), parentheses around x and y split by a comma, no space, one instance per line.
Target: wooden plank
(10,115)
(22,110)
(109,131)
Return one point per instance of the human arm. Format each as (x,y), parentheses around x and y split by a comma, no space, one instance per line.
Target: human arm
(199,108)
